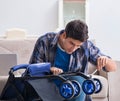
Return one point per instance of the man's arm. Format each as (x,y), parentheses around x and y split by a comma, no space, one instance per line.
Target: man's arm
(38,52)
(99,59)
(108,63)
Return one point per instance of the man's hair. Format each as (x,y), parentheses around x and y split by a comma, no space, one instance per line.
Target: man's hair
(77,30)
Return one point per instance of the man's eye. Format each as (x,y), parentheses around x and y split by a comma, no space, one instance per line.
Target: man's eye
(71,43)
(78,45)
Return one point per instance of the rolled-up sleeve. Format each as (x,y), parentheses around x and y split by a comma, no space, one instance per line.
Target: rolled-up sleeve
(94,53)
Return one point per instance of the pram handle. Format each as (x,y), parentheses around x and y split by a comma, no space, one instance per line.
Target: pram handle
(21,66)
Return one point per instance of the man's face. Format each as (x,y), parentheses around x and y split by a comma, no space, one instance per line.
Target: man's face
(70,45)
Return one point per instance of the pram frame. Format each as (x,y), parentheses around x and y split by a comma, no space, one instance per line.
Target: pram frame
(29,77)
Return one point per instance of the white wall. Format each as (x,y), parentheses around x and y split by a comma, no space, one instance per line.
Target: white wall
(104,25)
(36,16)
(41,16)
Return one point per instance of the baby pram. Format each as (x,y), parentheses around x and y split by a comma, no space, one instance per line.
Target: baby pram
(37,84)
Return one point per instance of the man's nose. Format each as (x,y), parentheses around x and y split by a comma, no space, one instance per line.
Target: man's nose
(74,47)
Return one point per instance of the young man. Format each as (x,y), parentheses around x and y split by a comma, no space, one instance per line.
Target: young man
(70,50)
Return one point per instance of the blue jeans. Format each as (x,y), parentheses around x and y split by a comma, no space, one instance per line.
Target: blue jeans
(82,95)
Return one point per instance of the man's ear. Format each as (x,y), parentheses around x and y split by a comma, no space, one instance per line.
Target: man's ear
(64,35)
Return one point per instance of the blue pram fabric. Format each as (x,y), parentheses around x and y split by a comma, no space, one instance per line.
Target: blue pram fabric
(36,84)
(39,69)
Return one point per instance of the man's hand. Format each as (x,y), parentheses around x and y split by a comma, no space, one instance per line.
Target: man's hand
(106,62)
(101,62)
(56,70)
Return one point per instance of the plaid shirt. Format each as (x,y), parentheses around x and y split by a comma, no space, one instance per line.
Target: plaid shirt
(45,51)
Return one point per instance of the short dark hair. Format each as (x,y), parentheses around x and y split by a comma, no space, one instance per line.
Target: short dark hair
(77,30)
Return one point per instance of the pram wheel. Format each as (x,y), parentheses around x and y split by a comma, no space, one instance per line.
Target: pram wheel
(77,87)
(67,90)
(98,85)
(88,87)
